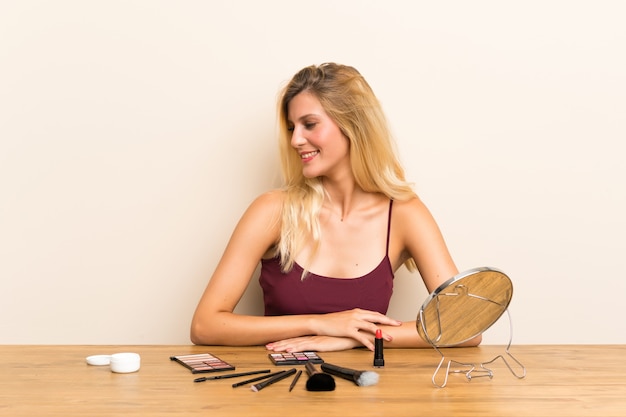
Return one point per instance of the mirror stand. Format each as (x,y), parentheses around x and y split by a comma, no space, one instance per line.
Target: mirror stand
(473,370)
(462,308)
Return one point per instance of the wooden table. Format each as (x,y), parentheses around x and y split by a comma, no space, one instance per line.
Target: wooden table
(567,380)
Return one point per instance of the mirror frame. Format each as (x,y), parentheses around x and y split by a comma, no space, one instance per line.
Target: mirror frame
(456,286)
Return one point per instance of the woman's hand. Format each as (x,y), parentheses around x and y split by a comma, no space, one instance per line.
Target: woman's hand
(357,324)
(313,343)
(338,331)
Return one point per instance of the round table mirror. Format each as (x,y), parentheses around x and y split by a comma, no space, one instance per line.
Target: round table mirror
(464,306)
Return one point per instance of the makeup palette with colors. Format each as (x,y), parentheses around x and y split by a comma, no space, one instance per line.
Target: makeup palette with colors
(203,362)
(294,358)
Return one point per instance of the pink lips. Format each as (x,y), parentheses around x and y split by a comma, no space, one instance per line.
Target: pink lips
(308,158)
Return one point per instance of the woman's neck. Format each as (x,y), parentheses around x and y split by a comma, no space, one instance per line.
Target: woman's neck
(343,197)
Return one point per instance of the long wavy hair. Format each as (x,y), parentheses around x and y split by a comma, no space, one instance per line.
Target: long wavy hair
(349,100)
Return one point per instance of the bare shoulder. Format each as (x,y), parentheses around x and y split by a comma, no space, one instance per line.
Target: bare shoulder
(413,223)
(270,202)
(265,211)
(410,210)
(418,236)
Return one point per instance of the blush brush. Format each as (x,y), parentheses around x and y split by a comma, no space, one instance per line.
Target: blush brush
(360,378)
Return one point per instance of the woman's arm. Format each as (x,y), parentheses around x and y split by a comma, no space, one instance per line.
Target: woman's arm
(214,322)
(416,235)
(406,336)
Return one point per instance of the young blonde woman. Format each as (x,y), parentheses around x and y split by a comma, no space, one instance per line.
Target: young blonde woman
(330,240)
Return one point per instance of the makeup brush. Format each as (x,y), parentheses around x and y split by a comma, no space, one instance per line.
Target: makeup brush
(360,378)
(318,381)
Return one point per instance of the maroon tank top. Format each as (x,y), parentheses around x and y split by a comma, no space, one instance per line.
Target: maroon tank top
(287,293)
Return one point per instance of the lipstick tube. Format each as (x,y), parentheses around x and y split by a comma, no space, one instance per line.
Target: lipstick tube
(379,357)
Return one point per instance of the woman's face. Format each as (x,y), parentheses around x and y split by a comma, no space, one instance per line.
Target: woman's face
(323,149)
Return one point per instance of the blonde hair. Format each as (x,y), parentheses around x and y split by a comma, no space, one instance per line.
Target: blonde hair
(349,100)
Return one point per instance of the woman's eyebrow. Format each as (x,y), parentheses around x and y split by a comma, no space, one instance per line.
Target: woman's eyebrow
(306,116)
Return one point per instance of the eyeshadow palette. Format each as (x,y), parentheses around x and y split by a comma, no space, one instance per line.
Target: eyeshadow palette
(295,358)
(202,362)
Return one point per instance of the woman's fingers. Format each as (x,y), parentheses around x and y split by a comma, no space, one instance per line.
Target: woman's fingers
(367,325)
(315,343)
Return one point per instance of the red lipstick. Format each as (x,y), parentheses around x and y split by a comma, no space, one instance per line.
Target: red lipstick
(379,358)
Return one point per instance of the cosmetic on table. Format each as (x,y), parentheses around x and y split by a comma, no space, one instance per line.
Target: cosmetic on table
(294,358)
(210,378)
(280,376)
(295,381)
(379,358)
(121,363)
(360,378)
(259,378)
(318,381)
(202,362)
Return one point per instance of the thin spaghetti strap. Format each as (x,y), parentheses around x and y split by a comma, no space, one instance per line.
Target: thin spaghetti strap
(389,225)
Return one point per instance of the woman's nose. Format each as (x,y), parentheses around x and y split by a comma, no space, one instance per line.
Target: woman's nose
(297,139)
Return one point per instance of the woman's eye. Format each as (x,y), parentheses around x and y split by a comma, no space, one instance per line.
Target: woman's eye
(307,126)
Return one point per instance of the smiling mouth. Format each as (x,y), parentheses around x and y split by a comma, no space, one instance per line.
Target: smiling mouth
(309,155)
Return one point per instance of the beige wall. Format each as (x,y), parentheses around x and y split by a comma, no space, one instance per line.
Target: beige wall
(134,133)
